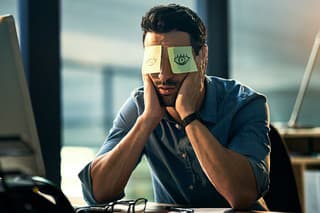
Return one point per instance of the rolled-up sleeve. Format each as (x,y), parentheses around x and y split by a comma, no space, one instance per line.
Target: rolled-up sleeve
(261,172)
(86,185)
(250,138)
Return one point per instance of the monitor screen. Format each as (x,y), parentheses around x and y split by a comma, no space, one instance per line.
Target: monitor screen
(19,143)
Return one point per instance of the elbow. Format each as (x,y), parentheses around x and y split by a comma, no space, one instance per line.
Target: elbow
(102,192)
(242,205)
(105,195)
(243,201)
(99,196)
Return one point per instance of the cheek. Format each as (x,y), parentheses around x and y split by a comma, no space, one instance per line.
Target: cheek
(181,78)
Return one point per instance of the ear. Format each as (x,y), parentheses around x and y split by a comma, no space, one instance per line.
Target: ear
(202,61)
(202,58)
(203,53)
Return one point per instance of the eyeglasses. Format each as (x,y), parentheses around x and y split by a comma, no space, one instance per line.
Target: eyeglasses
(178,209)
(138,205)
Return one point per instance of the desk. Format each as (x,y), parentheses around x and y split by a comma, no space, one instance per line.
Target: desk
(305,141)
(301,140)
(300,165)
(153,207)
(160,208)
(299,132)
(210,210)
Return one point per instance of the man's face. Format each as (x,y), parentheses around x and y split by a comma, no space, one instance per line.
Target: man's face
(167,84)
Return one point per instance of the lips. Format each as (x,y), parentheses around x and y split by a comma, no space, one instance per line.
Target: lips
(166,90)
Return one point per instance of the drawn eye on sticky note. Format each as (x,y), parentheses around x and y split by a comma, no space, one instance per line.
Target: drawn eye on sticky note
(152,59)
(181,59)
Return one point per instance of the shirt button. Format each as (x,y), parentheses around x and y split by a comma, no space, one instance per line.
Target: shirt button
(190,187)
(178,126)
(183,155)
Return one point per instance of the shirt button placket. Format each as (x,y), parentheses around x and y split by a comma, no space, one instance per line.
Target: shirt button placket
(190,187)
(184,155)
(178,126)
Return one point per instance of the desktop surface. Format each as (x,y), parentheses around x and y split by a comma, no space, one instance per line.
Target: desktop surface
(298,132)
(153,207)
(160,207)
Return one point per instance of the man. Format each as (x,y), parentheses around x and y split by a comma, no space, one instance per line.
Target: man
(205,138)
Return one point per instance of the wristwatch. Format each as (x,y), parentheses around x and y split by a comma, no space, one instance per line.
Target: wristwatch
(188,119)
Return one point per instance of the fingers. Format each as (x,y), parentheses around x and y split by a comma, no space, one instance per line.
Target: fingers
(146,81)
(144,77)
(150,95)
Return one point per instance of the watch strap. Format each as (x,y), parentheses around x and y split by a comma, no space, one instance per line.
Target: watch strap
(188,119)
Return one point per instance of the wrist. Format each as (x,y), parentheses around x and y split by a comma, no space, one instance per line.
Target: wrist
(190,118)
(148,123)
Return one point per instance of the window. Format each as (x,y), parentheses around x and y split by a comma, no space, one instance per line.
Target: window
(270,44)
(10,7)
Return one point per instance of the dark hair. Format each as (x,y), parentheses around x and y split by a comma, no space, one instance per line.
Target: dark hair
(166,18)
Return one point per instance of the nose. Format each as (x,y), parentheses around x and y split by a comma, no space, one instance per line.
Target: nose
(165,70)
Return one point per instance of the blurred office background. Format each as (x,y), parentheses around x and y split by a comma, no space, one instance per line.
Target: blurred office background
(101,53)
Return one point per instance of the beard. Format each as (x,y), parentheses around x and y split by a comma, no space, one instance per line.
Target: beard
(167,100)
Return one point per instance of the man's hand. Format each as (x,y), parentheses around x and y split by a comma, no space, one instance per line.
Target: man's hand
(153,111)
(191,92)
(189,95)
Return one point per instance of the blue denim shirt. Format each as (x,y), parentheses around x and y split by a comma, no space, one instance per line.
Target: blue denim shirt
(235,114)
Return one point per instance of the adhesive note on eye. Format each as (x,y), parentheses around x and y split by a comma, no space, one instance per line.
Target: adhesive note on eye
(151,59)
(181,59)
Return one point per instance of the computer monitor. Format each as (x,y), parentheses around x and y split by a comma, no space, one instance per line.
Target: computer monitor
(19,144)
(292,123)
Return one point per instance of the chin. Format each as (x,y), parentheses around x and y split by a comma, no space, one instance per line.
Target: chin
(167,101)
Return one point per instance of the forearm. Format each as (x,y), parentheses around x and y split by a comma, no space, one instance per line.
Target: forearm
(228,171)
(111,171)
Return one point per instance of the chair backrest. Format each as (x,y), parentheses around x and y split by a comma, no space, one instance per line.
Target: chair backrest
(283,193)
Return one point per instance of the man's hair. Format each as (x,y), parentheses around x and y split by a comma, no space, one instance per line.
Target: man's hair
(166,18)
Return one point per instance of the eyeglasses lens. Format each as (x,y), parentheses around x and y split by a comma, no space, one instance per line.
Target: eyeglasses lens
(140,205)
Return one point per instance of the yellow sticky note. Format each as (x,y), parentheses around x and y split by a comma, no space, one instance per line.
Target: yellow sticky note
(152,59)
(181,59)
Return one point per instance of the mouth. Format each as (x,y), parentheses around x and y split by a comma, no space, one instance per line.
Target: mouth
(166,90)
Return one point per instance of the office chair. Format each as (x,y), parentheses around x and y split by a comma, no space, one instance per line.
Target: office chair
(283,193)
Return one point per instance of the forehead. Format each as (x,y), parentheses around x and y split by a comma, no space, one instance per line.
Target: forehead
(173,38)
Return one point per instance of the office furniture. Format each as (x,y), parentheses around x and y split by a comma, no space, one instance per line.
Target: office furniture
(303,135)
(283,193)
(19,143)
(213,210)
(162,207)
(304,147)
